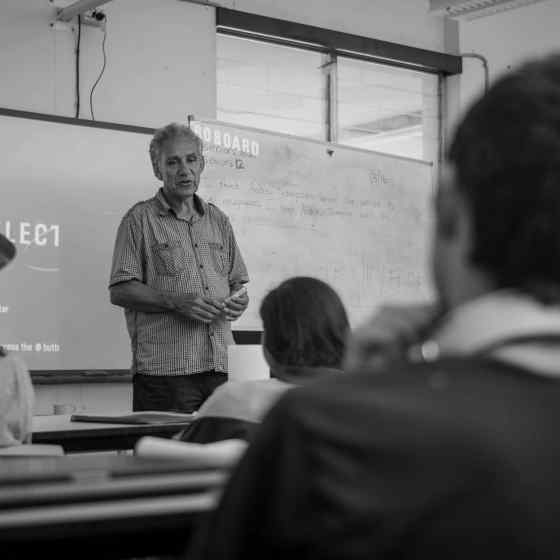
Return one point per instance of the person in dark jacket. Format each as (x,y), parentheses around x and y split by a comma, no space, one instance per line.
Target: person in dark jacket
(443,442)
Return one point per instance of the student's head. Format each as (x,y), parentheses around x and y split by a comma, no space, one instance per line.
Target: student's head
(177,160)
(498,206)
(305,324)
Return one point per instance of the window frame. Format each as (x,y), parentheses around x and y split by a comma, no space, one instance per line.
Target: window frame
(328,41)
(337,43)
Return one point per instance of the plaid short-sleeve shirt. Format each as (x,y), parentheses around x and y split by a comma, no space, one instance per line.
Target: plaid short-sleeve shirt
(197,256)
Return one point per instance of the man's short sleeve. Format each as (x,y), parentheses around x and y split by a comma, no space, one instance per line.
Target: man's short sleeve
(127,254)
(238,271)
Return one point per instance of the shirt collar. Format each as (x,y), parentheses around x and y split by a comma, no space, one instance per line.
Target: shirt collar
(164,207)
(494,317)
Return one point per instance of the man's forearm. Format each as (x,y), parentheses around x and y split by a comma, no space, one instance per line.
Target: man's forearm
(139,297)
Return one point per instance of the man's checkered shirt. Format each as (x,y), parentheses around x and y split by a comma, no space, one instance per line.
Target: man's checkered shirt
(197,256)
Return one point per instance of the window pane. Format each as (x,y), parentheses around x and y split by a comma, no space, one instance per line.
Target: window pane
(391,110)
(271,87)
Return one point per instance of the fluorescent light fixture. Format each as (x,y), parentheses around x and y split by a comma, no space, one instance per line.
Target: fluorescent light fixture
(78,8)
(472,9)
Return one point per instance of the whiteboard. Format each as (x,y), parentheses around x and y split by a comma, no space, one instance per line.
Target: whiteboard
(358,220)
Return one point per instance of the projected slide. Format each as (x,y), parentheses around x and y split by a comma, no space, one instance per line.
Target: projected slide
(65,189)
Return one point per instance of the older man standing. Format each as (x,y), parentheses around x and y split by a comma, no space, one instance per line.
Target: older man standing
(176,265)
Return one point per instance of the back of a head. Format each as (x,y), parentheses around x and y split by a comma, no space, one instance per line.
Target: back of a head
(305,324)
(506,156)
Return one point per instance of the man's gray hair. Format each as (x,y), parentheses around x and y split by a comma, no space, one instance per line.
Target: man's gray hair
(166,133)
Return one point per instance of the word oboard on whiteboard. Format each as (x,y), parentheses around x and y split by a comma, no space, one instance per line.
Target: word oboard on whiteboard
(358,220)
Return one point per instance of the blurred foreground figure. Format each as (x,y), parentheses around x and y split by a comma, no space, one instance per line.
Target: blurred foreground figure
(443,442)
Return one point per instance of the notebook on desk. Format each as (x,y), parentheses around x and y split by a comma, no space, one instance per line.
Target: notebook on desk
(143,417)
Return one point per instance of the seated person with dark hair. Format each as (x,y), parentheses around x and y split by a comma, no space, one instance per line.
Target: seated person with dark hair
(444,441)
(305,328)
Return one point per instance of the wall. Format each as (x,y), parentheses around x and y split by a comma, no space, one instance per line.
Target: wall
(95,398)
(161,67)
(149,78)
(506,39)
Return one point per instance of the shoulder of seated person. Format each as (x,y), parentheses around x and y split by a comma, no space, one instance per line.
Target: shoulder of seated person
(226,392)
(361,387)
(8,359)
(14,373)
(237,391)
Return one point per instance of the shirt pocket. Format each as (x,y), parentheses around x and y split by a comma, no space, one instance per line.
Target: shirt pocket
(219,258)
(169,258)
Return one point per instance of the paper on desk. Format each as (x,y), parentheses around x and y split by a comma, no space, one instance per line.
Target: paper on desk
(221,454)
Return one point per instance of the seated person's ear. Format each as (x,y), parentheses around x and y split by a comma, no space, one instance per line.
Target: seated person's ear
(450,208)
(446,217)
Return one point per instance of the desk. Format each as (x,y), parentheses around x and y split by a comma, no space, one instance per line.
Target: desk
(93,506)
(91,436)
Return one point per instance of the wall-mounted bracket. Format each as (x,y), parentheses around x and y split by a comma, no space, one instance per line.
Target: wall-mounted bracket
(92,18)
(80,7)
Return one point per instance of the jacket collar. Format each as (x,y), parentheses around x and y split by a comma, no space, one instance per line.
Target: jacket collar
(493,320)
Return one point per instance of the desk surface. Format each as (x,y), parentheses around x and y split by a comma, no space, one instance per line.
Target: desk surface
(14,468)
(93,436)
(103,506)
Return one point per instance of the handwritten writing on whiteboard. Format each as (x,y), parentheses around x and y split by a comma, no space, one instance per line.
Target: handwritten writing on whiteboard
(358,220)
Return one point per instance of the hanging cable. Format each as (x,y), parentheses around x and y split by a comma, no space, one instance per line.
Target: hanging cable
(100,73)
(78,67)
(484,66)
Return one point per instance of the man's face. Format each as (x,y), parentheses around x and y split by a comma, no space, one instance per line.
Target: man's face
(180,165)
